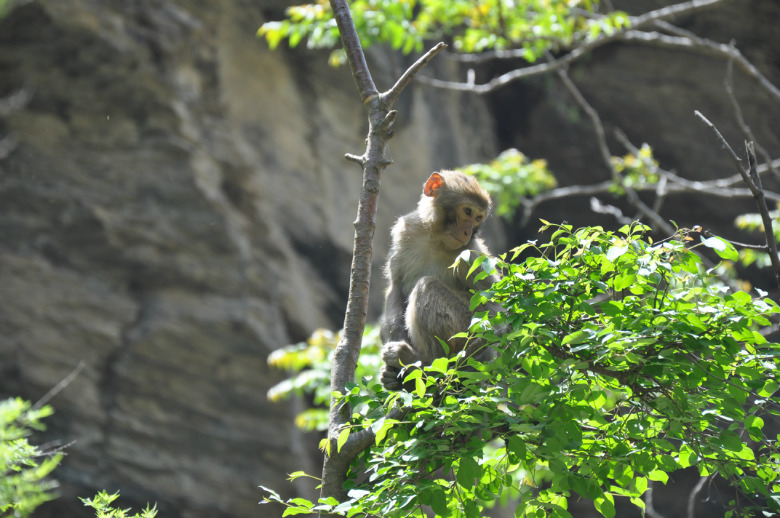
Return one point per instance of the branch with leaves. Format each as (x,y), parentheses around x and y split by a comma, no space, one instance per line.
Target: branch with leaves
(616,26)
(624,362)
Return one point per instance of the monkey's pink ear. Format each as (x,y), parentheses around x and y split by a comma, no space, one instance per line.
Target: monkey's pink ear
(432,185)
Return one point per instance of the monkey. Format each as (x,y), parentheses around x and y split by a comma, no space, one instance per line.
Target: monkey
(427,299)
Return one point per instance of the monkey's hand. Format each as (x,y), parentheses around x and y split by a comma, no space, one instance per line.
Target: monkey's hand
(390,378)
(463,265)
(396,355)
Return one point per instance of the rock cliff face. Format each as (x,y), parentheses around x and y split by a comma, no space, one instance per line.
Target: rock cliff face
(177,206)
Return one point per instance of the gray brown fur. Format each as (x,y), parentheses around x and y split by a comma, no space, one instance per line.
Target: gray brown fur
(426,298)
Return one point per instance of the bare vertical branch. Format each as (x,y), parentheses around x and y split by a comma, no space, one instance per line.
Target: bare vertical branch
(381,118)
(353,49)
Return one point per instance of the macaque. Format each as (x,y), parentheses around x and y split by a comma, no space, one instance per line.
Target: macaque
(426,298)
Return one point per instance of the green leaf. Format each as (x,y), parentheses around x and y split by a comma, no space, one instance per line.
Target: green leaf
(381,427)
(624,280)
(439,365)
(439,502)
(615,252)
(754,426)
(325,445)
(468,471)
(605,504)
(342,438)
(658,476)
(419,386)
(296,474)
(292,511)
(516,446)
(769,388)
(575,338)
(722,247)
(730,440)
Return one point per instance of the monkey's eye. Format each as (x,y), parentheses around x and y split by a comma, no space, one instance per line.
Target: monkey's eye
(478,219)
(467,211)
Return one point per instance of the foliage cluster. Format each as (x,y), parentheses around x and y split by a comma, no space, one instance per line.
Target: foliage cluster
(636,169)
(23,466)
(535,26)
(309,366)
(625,362)
(510,177)
(102,504)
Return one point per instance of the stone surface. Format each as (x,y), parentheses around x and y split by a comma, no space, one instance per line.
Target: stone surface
(177,207)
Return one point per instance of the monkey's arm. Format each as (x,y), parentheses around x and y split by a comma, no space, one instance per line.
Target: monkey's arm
(396,348)
(394,325)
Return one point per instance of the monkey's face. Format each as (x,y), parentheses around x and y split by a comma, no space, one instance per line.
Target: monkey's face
(463,223)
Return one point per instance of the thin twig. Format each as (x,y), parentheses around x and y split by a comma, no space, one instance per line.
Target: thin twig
(729,86)
(561,192)
(655,219)
(734,158)
(672,11)
(761,248)
(391,96)
(603,208)
(753,181)
(720,187)
(59,387)
(514,75)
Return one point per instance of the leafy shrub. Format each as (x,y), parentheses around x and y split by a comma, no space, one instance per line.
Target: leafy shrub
(23,466)
(103,508)
(624,362)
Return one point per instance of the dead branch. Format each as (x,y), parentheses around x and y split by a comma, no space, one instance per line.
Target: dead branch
(753,180)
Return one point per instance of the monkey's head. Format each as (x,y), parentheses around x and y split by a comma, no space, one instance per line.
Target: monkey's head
(453,205)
